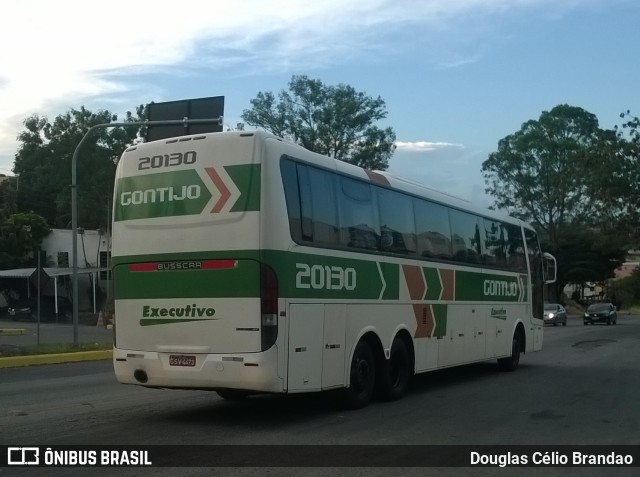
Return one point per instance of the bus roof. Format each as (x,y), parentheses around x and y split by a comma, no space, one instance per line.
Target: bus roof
(394,182)
(382,178)
(421,190)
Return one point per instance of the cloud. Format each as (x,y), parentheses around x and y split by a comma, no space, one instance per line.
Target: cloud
(456,61)
(452,169)
(62,53)
(66,47)
(423,146)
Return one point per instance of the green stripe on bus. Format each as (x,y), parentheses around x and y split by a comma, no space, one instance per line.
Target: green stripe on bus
(302,275)
(309,276)
(440,317)
(165,194)
(243,281)
(434,286)
(246,177)
(391,274)
(168,321)
(477,286)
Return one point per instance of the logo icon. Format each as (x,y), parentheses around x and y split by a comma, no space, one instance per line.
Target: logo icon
(23,455)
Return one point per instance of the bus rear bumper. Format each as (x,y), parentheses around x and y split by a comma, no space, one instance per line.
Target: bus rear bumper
(249,371)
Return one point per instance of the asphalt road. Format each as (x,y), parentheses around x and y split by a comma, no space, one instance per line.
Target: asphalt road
(583,388)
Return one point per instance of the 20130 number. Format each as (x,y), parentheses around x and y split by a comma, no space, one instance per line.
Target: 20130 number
(319,277)
(167,160)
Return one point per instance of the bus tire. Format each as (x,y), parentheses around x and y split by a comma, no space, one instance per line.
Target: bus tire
(362,373)
(232,394)
(396,372)
(510,363)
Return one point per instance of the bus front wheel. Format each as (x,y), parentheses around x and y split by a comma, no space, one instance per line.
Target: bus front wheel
(362,377)
(510,363)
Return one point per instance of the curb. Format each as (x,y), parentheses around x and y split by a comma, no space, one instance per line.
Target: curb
(18,361)
(12,331)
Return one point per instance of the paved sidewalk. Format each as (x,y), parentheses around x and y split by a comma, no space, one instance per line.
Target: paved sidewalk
(50,333)
(26,333)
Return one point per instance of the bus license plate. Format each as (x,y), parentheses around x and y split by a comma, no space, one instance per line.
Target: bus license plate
(181,360)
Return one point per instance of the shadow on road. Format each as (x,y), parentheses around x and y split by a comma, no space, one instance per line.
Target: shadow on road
(274,410)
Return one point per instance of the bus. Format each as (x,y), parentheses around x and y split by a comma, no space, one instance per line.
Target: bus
(246,264)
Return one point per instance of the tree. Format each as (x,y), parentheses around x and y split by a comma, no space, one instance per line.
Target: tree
(336,121)
(565,174)
(629,134)
(545,172)
(585,255)
(43,162)
(20,235)
(8,196)
(626,291)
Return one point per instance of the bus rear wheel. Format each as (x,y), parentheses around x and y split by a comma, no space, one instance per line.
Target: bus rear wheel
(510,363)
(362,377)
(396,372)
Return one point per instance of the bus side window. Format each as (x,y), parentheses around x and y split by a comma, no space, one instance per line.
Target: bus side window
(397,233)
(537,278)
(305,203)
(465,236)
(495,246)
(359,227)
(433,231)
(323,205)
(311,203)
(516,259)
(292,197)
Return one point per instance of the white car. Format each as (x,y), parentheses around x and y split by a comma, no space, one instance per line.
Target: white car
(555,313)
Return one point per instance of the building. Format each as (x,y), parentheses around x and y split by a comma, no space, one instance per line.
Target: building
(94,277)
(627,268)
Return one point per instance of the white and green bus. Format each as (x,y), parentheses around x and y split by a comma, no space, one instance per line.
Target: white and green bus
(244,264)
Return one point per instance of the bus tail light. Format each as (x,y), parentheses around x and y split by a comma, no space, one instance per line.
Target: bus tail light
(268,307)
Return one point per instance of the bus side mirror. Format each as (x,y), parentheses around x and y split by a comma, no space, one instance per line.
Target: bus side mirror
(549,268)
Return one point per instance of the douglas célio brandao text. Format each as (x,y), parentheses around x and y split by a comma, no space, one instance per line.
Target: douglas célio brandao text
(550,459)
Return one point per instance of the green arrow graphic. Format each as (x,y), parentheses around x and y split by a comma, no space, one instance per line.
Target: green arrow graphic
(165,194)
(246,178)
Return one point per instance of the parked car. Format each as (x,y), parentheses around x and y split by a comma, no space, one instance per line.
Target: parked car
(28,308)
(555,313)
(601,313)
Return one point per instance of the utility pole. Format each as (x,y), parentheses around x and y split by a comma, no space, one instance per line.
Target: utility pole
(74,194)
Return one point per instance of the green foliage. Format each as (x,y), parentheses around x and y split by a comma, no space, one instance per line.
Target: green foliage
(573,181)
(584,255)
(20,235)
(626,291)
(632,128)
(545,172)
(629,134)
(336,121)
(8,196)
(43,162)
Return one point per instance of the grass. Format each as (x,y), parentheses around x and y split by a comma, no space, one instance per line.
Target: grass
(12,350)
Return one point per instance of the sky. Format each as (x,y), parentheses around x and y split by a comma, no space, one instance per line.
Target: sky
(456,75)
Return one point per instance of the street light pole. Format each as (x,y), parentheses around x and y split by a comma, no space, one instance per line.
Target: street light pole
(74,195)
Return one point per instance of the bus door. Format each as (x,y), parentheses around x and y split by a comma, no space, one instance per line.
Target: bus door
(316,346)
